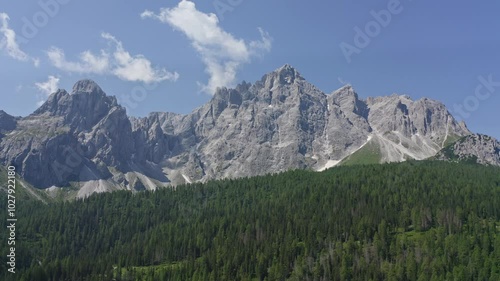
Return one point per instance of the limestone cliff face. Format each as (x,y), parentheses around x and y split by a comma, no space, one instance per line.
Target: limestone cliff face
(85,139)
(72,138)
(408,129)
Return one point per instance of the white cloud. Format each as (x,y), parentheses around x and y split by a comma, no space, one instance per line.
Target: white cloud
(46,88)
(221,52)
(118,62)
(136,68)
(88,63)
(9,44)
(19,88)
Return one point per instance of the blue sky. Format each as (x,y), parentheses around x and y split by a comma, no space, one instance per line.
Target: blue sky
(170,55)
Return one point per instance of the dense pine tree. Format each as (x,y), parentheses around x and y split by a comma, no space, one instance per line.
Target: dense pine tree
(408,221)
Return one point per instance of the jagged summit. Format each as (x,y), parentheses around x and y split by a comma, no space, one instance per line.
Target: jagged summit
(346,90)
(86,96)
(346,87)
(7,122)
(348,100)
(285,75)
(85,107)
(86,86)
(286,67)
(278,123)
(288,74)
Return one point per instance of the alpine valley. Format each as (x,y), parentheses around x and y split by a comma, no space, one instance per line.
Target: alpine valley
(83,142)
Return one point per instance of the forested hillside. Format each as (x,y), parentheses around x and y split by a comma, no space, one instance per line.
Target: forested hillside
(408,221)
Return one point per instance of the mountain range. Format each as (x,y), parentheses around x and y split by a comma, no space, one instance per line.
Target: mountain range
(83,142)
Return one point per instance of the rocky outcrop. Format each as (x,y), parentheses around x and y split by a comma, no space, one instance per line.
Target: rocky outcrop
(476,148)
(7,123)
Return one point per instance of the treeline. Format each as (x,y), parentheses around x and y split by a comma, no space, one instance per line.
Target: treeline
(408,221)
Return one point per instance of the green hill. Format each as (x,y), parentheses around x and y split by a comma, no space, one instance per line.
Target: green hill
(408,221)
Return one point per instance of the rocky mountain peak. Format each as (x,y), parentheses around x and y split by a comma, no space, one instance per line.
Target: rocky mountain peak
(278,123)
(88,92)
(287,74)
(7,122)
(346,87)
(347,99)
(283,76)
(345,93)
(83,108)
(86,86)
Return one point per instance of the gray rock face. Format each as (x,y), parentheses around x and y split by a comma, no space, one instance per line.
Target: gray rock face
(85,139)
(7,123)
(478,148)
(409,129)
(73,138)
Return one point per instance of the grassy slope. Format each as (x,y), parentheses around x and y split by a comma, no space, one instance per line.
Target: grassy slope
(451,139)
(368,154)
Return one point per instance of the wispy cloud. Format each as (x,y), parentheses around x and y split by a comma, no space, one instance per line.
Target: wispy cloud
(117,62)
(136,68)
(46,88)
(9,44)
(19,88)
(220,51)
(88,62)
